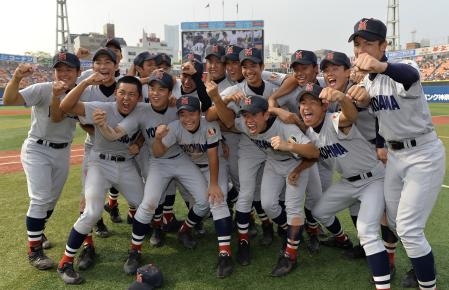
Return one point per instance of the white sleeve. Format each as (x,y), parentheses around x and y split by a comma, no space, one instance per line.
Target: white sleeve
(273,77)
(89,108)
(35,94)
(213,134)
(171,138)
(131,123)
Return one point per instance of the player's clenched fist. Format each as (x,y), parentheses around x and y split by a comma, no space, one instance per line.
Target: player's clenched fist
(359,94)
(161,131)
(59,87)
(367,63)
(23,70)
(236,98)
(133,149)
(99,117)
(279,144)
(329,95)
(212,89)
(96,79)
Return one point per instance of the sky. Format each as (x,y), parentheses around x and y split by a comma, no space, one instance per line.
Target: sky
(29,25)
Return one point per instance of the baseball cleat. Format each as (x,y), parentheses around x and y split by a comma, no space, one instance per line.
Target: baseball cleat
(172,226)
(267,234)
(187,240)
(45,243)
(225,265)
(69,275)
(252,229)
(356,252)
(114,213)
(101,230)
(39,260)
(284,266)
(410,280)
(157,238)
(332,242)
(86,258)
(313,244)
(243,253)
(132,263)
(199,229)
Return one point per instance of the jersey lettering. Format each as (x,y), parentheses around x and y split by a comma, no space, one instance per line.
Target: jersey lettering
(262,144)
(151,132)
(386,103)
(193,148)
(332,151)
(126,139)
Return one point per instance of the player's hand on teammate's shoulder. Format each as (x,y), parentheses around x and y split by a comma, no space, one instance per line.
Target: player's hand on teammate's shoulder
(59,87)
(359,94)
(216,196)
(368,64)
(161,131)
(330,95)
(236,98)
(23,70)
(288,117)
(99,117)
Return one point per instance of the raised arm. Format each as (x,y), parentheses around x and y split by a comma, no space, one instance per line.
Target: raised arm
(11,96)
(348,109)
(159,149)
(220,110)
(99,117)
(56,114)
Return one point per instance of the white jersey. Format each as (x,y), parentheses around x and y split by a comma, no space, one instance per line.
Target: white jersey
(351,154)
(101,144)
(39,97)
(224,84)
(273,77)
(195,144)
(275,128)
(145,93)
(87,73)
(402,114)
(145,118)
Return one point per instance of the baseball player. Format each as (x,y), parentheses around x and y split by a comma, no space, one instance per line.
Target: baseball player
(200,140)
(173,164)
(163,62)
(45,152)
(341,143)
(278,140)
(110,163)
(414,150)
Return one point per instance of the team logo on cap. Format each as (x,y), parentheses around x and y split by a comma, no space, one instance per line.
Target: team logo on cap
(248,101)
(184,101)
(62,56)
(363,24)
(230,50)
(211,132)
(248,52)
(309,87)
(330,56)
(298,54)
(214,49)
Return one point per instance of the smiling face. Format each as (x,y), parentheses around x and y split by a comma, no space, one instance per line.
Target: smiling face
(147,68)
(188,85)
(305,73)
(215,67)
(252,72)
(159,96)
(256,123)
(189,120)
(127,97)
(66,74)
(234,70)
(312,110)
(374,48)
(336,76)
(105,66)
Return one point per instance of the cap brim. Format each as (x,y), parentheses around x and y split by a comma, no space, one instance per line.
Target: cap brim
(251,110)
(100,53)
(365,35)
(303,93)
(214,54)
(140,286)
(231,57)
(66,63)
(303,61)
(252,59)
(188,108)
(159,81)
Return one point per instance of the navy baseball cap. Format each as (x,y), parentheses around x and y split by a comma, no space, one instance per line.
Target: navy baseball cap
(337,58)
(303,57)
(66,58)
(254,105)
(252,54)
(189,103)
(113,42)
(163,57)
(163,78)
(142,57)
(215,50)
(370,29)
(105,51)
(232,52)
(311,89)
(148,277)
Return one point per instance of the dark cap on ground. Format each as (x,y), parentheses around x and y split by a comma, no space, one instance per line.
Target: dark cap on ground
(215,50)
(163,78)
(253,105)
(113,42)
(163,58)
(370,29)
(337,58)
(189,103)
(303,57)
(313,90)
(66,58)
(142,57)
(232,52)
(105,51)
(148,277)
(252,54)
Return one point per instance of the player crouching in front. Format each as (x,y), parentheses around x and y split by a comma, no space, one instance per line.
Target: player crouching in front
(340,142)
(110,163)
(200,140)
(288,145)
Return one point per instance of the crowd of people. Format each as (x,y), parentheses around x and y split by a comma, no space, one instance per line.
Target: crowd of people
(42,74)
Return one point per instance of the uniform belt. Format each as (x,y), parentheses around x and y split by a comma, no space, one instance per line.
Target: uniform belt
(202,165)
(174,156)
(412,142)
(285,159)
(116,158)
(359,177)
(52,145)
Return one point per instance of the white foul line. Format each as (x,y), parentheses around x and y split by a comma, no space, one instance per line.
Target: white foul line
(10,163)
(445,186)
(15,156)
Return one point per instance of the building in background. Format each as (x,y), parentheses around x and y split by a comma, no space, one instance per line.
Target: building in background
(109,30)
(171,36)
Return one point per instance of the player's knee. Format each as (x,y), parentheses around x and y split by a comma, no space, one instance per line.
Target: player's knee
(38,211)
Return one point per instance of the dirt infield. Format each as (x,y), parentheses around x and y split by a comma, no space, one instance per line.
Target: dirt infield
(440,120)
(14,112)
(10,160)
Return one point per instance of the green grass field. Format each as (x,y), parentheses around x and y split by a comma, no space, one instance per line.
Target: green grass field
(182,269)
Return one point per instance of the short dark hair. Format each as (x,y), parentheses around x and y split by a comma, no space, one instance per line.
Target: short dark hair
(131,80)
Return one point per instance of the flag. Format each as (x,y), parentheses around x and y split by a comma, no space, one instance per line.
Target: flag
(207,6)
